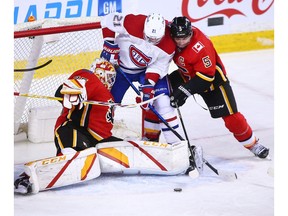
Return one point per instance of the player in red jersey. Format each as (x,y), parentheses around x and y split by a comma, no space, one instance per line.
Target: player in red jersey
(201,71)
(81,126)
(143,49)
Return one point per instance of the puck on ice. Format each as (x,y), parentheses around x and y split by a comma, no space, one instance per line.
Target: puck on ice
(177,189)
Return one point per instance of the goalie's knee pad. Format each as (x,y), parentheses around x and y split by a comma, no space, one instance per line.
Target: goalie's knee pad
(237,124)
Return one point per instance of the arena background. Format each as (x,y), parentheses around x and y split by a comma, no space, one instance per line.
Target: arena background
(232,25)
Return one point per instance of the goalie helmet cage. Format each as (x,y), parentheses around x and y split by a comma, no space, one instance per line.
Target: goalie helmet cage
(71,44)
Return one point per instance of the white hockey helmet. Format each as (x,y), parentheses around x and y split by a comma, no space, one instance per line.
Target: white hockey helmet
(154,28)
(105,71)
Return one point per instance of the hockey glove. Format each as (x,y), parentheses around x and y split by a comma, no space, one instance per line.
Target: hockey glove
(110,52)
(74,92)
(179,96)
(147,90)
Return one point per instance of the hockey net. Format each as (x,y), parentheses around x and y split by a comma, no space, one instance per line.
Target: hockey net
(71,44)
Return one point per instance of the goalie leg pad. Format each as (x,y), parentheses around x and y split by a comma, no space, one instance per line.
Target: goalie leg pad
(63,170)
(143,157)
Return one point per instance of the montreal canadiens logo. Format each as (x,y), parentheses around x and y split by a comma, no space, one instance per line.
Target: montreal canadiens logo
(138,57)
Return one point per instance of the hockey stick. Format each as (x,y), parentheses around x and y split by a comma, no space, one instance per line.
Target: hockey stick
(149,105)
(100,103)
(34,68)
(226,175)
(192,172)
(186,135)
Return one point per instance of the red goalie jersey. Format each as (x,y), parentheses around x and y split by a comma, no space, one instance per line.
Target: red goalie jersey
(98,120)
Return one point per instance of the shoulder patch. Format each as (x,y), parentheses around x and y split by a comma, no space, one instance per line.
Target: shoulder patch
(198,47)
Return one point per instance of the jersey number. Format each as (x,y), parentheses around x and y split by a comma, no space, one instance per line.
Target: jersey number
(206,61)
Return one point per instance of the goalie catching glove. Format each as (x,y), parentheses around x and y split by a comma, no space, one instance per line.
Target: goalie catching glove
(74,92)
(110,52)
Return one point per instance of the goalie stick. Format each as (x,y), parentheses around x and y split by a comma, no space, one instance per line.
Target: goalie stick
(34,68)
(100,103)
(222,174)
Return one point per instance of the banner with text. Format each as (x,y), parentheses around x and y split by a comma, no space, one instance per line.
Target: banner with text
(214,17)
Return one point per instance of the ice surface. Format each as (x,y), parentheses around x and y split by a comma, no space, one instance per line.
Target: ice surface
(252,194)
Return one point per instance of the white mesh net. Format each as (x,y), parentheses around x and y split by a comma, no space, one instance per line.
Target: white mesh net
(69,51)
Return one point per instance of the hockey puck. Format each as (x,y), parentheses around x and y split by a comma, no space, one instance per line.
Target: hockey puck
(177,189)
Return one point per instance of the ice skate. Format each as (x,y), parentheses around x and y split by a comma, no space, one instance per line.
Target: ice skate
(198,157)
(196,162)
(260,151)
(22,185)
(192,171)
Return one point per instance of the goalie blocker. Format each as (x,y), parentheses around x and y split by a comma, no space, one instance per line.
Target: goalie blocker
(126,157)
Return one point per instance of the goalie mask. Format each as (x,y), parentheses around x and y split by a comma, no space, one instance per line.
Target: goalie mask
(105,71)
(154,28)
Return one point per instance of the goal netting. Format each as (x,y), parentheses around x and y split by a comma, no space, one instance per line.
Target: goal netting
(71,44)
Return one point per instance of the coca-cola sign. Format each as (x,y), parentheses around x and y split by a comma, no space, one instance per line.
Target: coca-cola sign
(228,8)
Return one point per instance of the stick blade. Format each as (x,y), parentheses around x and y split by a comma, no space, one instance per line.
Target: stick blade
(227,175)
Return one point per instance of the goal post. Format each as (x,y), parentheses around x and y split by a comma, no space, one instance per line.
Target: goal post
(71,44)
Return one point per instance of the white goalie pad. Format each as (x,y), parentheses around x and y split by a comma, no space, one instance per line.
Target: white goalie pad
(63,170)
(143,157)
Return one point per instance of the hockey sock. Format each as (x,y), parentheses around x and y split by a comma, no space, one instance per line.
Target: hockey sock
(237,124)
(151,126)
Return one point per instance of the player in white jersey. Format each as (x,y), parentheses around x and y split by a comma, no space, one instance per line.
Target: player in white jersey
(143,49)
